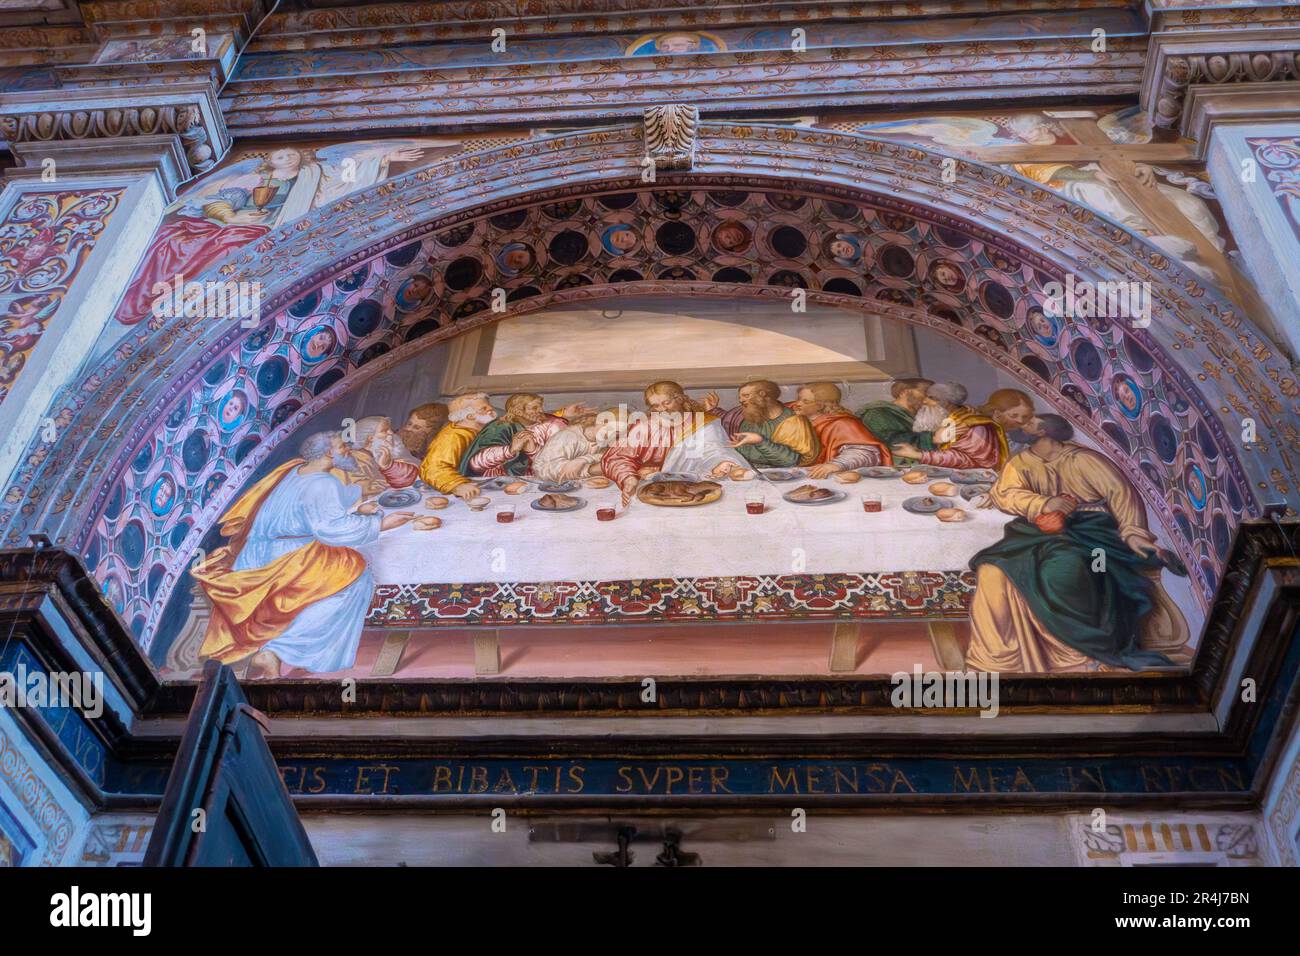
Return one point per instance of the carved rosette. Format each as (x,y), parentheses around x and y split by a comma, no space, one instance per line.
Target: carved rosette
(670,135)
(184,121)
(1217,69)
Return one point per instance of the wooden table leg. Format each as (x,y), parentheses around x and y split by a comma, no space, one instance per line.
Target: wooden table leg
(844,648)
(947,645)
(390,655)
(487,653)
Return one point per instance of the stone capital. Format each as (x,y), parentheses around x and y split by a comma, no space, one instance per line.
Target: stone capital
(72,121)
(1183,61)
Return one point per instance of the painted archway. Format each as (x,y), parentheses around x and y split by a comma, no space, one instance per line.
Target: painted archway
(1202,368)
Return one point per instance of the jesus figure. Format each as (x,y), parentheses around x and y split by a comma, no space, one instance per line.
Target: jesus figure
(680,435)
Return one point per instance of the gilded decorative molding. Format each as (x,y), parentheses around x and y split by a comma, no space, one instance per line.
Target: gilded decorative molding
(670,135)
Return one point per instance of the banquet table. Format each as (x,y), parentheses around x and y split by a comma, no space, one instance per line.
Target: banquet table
(648,541)
(714,540)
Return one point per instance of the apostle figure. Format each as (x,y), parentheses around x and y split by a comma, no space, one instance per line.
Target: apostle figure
(382,455)
(845,442)
(441,468)
(422,423)
(289,586)
(1077,572)
(506,445)
(767,433)
(895,421)
(679,435)
(969,437)
(575,451)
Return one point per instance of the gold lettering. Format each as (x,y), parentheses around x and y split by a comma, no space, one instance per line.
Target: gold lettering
(901,778)
(478,779)
(441,776)
(532,783)
(695,779)
(843,780)
(967,782)
(318,774)
(789,783)
(672,776)
(504,784)
(719,783)
(575,774)
(625,774)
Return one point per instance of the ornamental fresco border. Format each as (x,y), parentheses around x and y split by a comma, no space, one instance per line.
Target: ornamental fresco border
(843,596)
(155,366)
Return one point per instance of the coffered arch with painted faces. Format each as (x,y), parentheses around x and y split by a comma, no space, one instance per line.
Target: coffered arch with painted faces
(738,233)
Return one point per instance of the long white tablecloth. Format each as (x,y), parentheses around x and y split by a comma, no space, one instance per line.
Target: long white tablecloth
(645,541)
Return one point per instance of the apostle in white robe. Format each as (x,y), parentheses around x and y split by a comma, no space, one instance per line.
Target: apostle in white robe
(290,587)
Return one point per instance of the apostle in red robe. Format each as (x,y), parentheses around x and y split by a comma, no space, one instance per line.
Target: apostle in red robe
(846,443)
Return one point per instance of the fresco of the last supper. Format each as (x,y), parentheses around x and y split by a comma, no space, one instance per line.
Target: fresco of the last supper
(842,469)
(618,433)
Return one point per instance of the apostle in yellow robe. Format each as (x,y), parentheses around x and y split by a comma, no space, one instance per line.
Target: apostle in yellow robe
(441,468)
(1076,578)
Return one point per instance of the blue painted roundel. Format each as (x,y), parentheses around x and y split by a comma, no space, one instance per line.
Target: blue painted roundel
(365,318)
(306,305)
(130,543)
(1086,359)
(194,451)
(271,375)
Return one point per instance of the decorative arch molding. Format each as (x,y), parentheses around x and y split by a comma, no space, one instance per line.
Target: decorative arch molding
(1214,367)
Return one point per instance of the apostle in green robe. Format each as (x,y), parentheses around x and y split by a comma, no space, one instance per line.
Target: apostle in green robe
(1076,577)
(894,421)
(505,446)
(768,434)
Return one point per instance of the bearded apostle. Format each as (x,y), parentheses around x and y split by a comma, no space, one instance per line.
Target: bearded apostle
(679,435)
(1076,575)
(506,445)
(896,420)
(844,441)
(768,434)
(441,468)
(381,454)
(289,586)
(969,437)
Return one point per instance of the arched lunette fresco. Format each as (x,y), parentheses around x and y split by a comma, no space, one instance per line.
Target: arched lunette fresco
(1220,377)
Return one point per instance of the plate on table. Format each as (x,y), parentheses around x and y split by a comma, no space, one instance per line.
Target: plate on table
(934,471)
(782,474)
(971,492)
(926,504)
(974,476)
(829,500)
(578,505)
(674,493)
(398,498)
(879,471)
(493,484)
(551,487)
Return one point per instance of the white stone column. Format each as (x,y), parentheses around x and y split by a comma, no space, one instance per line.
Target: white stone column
(1249,138)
